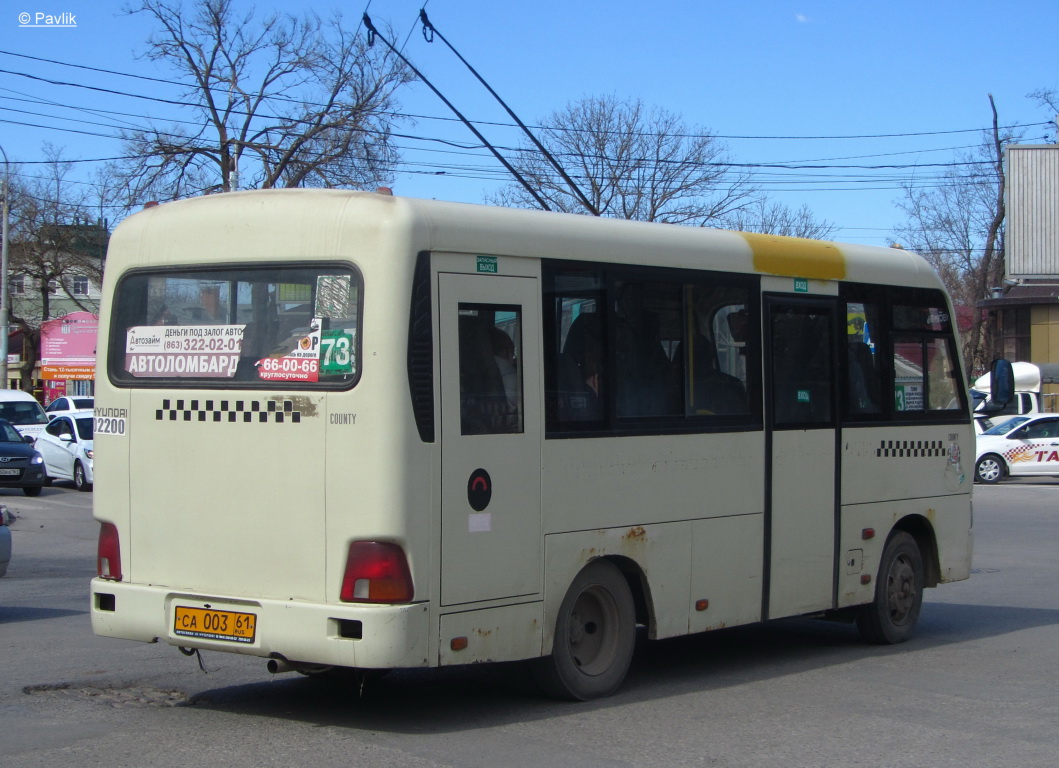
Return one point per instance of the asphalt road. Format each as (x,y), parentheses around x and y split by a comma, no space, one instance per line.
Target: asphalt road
(975,688)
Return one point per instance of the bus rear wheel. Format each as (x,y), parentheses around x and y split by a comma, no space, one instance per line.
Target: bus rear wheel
(595,634)
(891,617)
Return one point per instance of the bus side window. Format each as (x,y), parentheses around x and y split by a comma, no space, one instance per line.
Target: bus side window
(713,351)
(863,374)
(648,382)
(578,379)
(581,370)
(926,370)
(942,376)
(490,382)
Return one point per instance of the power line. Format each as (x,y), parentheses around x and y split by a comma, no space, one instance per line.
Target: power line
(465,145)
(486,173)
(511,169)
(731,137)
(532,137)
(780,166)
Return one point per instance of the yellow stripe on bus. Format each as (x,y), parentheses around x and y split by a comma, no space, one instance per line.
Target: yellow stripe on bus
(796,256)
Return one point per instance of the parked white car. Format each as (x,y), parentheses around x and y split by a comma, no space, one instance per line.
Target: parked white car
(66,445)
(1022,445)
(61,406)
(22,411)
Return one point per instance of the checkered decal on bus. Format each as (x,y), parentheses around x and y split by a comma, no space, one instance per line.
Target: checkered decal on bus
(911,449)
(229,410)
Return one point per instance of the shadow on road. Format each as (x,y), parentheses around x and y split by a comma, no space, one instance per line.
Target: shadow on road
(481,696)
(11,614)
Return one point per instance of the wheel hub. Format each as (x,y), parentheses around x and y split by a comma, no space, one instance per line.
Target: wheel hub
(900,590)
(590,646)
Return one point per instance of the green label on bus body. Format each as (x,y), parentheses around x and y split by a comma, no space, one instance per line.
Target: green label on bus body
(487,264)
(336,352)
(801,285)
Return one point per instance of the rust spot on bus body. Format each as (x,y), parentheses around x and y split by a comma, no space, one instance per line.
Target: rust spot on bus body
(636,533)
(305,405)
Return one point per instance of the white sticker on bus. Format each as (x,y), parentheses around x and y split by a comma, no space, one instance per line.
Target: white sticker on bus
(109,421)
(207,351)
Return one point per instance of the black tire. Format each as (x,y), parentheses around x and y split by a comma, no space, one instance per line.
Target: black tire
(32,490)
(80,481)
(891,617)
(595,634)
(989,469)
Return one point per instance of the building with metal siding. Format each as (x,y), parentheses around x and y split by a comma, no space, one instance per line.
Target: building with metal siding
(1033,212)
(1027,305)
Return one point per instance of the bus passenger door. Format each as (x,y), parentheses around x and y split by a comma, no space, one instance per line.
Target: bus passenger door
(801,525)
(491,437)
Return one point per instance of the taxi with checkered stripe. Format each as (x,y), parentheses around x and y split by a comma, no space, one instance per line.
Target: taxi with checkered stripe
(1023,445)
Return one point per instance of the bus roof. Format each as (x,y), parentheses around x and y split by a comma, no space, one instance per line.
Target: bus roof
(331,220)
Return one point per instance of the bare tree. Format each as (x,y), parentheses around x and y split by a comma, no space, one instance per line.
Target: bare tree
(284,102)
(1048,98)
(55,244)
(772,218)
(958,226)
(631,162)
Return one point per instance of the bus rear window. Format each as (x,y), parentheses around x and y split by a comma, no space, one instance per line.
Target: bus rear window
(267,326)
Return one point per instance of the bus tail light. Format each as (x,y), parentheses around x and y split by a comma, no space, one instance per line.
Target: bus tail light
(376,572)
(108,553)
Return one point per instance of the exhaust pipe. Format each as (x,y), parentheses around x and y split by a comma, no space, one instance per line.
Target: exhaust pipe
(278,666)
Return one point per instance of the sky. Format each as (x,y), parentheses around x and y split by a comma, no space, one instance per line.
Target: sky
(812,83)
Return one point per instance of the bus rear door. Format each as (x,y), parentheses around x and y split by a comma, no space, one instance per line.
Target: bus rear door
(491,437)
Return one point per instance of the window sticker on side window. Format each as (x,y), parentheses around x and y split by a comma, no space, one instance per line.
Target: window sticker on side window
(300,361)
(200,351)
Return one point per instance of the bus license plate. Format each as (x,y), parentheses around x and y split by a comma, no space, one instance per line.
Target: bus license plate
(230,626)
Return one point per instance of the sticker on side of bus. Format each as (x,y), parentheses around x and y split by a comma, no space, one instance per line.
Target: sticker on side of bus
(211,624)
(299,363)
(104,425)
(197,351)
(110,421)
(336,352)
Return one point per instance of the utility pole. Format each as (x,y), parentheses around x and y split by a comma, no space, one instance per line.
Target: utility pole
(5,309)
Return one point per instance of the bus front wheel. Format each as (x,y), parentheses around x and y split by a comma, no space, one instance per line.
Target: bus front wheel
(892,616)
(595,633)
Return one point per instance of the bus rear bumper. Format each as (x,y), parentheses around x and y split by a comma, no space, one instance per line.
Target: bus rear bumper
(347,635)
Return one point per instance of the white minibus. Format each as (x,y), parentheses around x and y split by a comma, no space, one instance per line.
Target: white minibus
(345,429)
